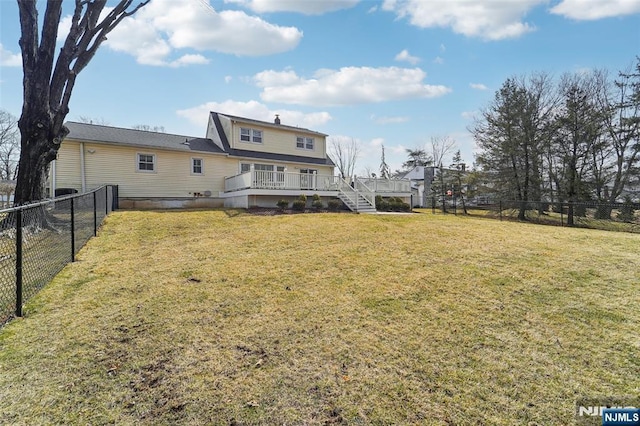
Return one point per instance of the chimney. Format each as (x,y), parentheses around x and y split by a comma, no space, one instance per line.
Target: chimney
(277,120)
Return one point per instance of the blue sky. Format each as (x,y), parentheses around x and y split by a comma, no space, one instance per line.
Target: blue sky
(393,72)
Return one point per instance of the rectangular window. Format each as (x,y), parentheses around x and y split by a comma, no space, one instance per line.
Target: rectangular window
(304,143)
(245,135)
(146,163)
(263,167)
(197,166)
(250,135)
(245,167)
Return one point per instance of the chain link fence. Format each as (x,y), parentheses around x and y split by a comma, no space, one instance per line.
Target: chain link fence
(38,240)
(594,215)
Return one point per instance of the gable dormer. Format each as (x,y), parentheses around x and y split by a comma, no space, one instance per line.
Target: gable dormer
(238,133)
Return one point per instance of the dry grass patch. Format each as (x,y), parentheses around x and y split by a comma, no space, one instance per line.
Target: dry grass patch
(225,318)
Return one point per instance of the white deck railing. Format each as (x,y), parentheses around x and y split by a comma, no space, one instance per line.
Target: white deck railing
(366,191)
(259,179)
(386,185)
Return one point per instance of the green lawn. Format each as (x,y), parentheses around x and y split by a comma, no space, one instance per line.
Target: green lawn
(213,317)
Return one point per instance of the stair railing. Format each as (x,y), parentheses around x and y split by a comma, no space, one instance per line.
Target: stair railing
(366,192)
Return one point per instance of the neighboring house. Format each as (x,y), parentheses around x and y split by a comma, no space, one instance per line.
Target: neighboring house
(426,183)
(239,163)
(418,178)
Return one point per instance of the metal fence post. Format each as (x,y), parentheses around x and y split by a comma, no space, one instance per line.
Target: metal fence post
(95,215)
(106,200)
(19,263)
(73,233)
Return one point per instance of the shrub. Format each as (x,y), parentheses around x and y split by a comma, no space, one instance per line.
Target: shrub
(282,204)
(303,198)
(393,204)
(333,205)
(382,205)
(316,204)
(315,197)
(299,205)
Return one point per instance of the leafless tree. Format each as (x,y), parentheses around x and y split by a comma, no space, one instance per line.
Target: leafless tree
(368,172)
(148,128)
(9,152)
(344,153)
(90,120)
(49,80)
(620,100)
(9,145)
(441,146)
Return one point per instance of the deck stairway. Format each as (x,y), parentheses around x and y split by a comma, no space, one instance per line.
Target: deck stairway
(359,198)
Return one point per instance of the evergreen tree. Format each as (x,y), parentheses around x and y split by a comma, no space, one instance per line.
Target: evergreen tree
(385,172)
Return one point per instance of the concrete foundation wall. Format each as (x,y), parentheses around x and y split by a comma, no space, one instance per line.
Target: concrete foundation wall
(170,203)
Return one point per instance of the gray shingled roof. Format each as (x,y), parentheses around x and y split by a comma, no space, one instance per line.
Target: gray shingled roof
(140,138)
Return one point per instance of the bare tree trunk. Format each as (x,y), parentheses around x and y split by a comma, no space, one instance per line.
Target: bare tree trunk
(47,88)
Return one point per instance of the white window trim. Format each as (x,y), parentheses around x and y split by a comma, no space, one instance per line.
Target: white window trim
(201,166)
(155,163)
(252,135)
(304,143)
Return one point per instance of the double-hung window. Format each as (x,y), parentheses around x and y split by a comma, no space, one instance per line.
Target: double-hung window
(250,135)
(304,143)
(146,163)
(197,166)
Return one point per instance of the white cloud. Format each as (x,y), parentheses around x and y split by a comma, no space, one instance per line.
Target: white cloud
(438,60)
(255,110)
(487,19)
(478,86)
(592,9)
(468,115)
(314,7)
(347,86)
(159,30)
(389,120)
(228,79)
(405,56)
(9,59)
